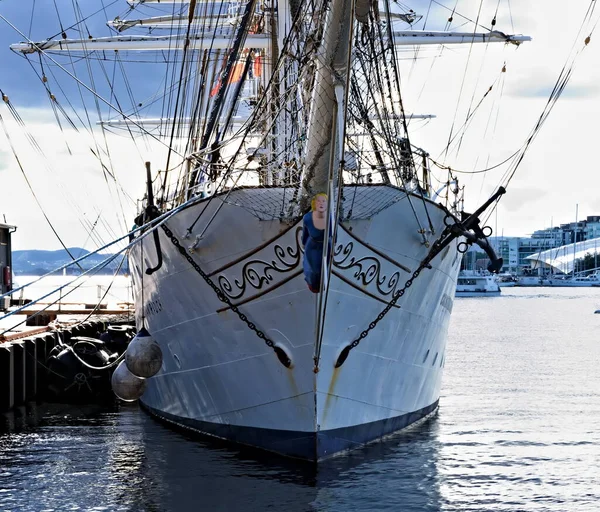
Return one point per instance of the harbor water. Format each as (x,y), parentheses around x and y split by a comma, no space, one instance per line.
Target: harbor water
(518,428)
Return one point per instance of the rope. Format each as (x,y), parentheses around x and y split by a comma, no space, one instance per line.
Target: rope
(6,132)
(125,116)
(106,292)
(560,85)
(143,232)
(87,365)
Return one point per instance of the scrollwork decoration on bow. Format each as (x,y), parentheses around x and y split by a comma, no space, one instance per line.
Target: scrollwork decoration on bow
(368,269)
(257,273)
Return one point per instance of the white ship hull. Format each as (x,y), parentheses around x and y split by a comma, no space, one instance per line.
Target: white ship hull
(559,283)
(575,282)
(473,284)
(220,378)
(532,281)
(496,293)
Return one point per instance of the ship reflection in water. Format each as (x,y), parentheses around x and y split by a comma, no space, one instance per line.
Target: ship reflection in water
(66,458)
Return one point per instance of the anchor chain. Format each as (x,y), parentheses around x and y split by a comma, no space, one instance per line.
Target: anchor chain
(467,227)
(435,249)
(451,232)
(282,356)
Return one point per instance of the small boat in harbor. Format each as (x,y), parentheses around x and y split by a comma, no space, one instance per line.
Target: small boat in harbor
(576,281)
(561,281)
(529,280)
(506,280)
(476,284)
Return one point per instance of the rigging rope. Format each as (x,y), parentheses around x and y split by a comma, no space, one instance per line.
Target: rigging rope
(560,85)
(12,147)
(85,86)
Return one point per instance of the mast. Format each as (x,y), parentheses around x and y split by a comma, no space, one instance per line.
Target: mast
(172,23)
(323,148)
(209,136)
(259,41)
(332,70)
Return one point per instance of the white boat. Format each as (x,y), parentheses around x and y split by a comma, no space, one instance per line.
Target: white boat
(561,281)
(507,284)
(592,279)
(531,281)
(256,349)
(506,280)
(476,284)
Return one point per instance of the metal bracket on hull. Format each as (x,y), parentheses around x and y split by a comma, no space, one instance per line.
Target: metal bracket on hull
(192,247)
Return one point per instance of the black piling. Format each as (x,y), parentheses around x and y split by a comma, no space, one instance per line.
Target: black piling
(30,369)
(23,370)
(20,374)
(7,387)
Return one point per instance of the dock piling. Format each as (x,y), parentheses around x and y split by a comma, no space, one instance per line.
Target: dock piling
(20,374)
(30,369)
(23,361)
(7,394)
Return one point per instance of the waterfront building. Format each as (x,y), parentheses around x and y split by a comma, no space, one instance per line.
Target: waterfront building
(519,253)
(562,259)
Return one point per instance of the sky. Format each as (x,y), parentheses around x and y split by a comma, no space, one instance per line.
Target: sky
(557,176)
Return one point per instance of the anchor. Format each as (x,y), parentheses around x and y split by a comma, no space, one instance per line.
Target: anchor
(469,227)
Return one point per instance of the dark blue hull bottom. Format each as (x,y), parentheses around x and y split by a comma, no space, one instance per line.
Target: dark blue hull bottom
(312,446)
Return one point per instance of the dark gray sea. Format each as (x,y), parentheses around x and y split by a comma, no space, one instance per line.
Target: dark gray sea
(518,428)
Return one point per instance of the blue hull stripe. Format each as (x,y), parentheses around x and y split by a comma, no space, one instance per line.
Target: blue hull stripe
(311,446)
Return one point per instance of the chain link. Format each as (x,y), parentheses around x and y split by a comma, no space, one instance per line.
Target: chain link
(424,264)
(221,296)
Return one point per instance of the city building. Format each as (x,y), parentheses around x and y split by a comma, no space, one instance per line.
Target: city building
(519,253)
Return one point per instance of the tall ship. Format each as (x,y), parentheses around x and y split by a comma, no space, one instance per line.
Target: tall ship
(291,257)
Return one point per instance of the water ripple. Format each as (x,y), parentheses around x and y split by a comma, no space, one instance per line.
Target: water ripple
(518,430)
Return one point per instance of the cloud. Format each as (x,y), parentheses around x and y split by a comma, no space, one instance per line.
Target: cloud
(570,92)
(82,203)
(517,199)
(539,82)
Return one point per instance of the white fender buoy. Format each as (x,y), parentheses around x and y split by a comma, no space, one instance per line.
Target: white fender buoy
(127,386)
(143,355)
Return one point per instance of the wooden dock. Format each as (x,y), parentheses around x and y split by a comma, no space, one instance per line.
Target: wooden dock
(77,311)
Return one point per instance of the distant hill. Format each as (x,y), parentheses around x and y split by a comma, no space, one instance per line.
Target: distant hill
(35,263)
